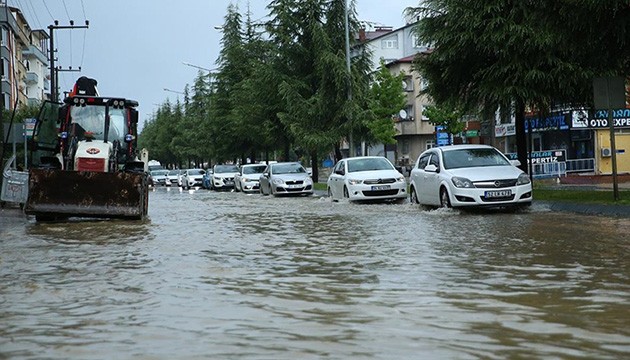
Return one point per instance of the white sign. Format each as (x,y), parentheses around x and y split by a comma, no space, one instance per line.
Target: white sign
(502,130)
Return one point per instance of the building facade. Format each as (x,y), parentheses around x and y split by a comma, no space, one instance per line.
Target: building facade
(24,78)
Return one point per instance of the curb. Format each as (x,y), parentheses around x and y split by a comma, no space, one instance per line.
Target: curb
(622,211)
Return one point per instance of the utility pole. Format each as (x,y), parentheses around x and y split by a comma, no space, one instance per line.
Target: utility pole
(346,21)
(54,91)
(61,69)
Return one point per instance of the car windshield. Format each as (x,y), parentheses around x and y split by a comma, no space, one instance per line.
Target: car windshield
(196,172)
(369,164)
(159,172)
(173,172)
(288,169)
(225,169)
(465,158)
(257,169)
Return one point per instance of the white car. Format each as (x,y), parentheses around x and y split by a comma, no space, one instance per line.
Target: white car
(247,179)
(366,178)
(223,176)
(173,177)
(468,176)
(192,178)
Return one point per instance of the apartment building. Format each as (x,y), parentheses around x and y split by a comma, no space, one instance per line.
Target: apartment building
(23,76)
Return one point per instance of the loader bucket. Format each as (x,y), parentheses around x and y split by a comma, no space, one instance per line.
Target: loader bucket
(57,194)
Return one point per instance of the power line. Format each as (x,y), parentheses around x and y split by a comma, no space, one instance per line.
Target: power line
(65,7)
(47,9)
(83,7)
(39,24)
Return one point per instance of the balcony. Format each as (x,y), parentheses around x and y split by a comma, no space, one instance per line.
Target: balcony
(32,78)
(34,51)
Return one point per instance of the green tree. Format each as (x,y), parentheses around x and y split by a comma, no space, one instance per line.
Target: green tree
(514,53)
(448,117)
(386,100)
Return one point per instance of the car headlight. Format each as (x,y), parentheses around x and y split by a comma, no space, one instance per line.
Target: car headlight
(308,180)
(400,179)
(278,181)
(523,179)
(461,182)
(355,181)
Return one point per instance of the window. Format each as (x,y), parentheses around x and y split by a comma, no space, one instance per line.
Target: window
(415,42)
(430,144)
(424,117)
(5,36)
(408,84)
(434,160)
(405,147)
(391,43)
(424,83)
(424,161)
(5,69)
(409,110)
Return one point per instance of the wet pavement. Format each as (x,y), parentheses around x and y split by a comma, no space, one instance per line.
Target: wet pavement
(233,276)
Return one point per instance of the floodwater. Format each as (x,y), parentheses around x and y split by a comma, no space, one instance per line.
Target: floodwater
(234,276)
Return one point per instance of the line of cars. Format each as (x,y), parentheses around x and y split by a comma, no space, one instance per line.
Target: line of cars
(448,176)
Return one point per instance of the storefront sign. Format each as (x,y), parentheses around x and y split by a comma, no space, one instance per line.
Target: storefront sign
(581,120)
(543,157)
(442,138)
(553,122)
(472,133)
(504,130)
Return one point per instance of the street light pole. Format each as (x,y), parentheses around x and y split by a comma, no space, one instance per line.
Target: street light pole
(346,21)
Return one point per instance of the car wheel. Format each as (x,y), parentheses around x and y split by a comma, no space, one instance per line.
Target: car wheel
(414,196)
(445,202)
(345,193)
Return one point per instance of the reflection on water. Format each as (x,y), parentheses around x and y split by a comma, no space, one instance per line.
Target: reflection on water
(228,275)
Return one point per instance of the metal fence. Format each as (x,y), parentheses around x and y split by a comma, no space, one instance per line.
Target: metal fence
(581,165)
(558,169)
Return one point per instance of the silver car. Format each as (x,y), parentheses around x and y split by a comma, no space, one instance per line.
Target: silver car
(285,179)
(247,179)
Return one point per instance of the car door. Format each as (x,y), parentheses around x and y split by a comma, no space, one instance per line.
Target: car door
(431,188)
(337,179)
(418,177)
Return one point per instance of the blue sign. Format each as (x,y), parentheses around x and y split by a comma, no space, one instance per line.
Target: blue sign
(552,122)
(442,138)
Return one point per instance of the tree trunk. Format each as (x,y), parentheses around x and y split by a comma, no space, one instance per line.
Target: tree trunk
(338,155)
(314,166)
(521,138)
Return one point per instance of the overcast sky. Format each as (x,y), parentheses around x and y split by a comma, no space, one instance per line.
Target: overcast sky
(136,48)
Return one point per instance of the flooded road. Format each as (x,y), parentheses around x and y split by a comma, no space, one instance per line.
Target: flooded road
(234,276)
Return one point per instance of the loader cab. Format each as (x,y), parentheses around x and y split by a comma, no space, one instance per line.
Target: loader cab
(99,120)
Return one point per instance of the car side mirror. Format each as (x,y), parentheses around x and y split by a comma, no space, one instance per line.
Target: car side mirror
(515,163)
(266,175)
(340,172)
(431,168)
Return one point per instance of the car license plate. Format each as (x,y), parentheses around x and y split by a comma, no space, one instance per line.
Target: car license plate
(229,183)
(381,187)
(498,194)
(294,186)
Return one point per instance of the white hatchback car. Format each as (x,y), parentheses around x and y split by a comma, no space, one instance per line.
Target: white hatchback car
(366,178)
(468,176)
